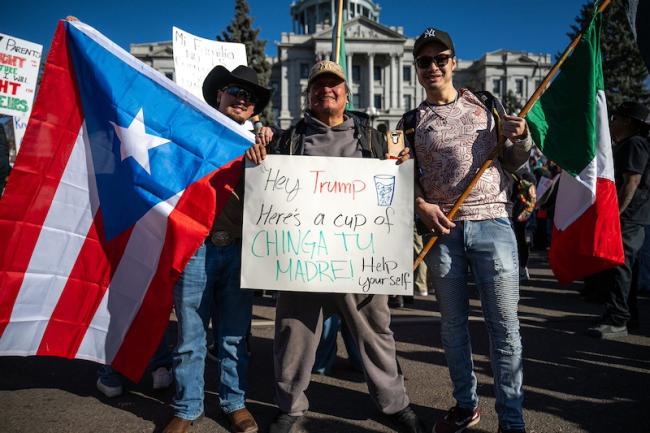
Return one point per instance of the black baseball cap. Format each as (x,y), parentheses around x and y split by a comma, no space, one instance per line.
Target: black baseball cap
(634,110)
(432,35)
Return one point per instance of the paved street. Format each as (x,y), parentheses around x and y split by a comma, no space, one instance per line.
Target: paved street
(573,383)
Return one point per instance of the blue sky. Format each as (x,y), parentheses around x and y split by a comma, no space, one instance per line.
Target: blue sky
(477,26)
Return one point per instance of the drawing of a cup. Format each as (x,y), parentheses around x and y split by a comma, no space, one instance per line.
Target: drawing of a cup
(385,186)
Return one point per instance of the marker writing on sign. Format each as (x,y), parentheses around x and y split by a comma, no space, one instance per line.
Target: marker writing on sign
(277,182)
(382,274)
(310,270)
(323,185)
(309,243)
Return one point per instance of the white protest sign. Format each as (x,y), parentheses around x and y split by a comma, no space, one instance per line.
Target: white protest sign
(320,224)
(194,57)
(19,63)
(544,185)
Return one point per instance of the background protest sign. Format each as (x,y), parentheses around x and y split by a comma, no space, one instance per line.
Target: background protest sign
(19,63)
(322,224)
(20,126)
(194,57)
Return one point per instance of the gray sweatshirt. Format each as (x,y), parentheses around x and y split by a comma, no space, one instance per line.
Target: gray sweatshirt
(322,140)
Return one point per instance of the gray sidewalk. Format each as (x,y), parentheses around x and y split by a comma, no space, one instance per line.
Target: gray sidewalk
(573,383)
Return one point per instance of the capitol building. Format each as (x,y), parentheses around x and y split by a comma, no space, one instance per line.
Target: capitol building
(381,73)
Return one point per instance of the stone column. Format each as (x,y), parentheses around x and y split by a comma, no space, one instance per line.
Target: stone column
(318,14)
(304,22)
(371,80)
(284,89)
(348,65)
(419,90)
(393,82)
(388,77)
(400,83)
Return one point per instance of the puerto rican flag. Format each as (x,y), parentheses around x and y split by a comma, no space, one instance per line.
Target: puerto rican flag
(118,180)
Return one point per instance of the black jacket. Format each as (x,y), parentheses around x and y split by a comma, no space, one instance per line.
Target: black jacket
(372,142)
(4,158)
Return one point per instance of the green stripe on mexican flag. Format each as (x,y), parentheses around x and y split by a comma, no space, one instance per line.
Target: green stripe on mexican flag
(569,123)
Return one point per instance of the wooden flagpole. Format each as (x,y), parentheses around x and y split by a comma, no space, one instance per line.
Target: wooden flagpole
(490,159)
(339,19)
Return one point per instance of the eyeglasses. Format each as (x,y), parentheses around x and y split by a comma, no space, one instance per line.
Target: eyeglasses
(441,61)
(241,93)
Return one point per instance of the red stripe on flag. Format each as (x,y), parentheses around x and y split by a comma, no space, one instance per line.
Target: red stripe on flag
(593,242)
(188,225)
(50,136)
(83,292)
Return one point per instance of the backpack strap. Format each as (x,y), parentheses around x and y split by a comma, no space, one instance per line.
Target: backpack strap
(294,139)
(409,122)
(486,98)
(490,102)
(281,146)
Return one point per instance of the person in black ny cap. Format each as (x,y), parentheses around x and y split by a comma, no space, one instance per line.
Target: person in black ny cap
(211,280)
(450,134)
(629,128)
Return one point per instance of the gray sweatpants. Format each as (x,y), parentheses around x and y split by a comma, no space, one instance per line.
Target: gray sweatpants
(298,327)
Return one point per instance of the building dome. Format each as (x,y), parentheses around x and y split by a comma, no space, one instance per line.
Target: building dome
(308,15)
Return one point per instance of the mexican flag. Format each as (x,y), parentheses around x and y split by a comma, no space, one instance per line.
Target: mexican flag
(569,123)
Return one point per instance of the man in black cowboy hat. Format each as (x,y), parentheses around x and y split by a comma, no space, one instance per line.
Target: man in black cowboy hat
(242,81)
(211,280)
(629,128)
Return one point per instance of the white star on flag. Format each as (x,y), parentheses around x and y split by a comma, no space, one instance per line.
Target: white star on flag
(135,142)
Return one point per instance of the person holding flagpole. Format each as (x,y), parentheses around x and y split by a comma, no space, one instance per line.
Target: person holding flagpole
(451,132)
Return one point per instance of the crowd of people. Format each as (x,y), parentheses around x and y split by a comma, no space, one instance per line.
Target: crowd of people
(449,135)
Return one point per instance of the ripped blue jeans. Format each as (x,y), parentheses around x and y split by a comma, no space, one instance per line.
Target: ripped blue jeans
(489,248)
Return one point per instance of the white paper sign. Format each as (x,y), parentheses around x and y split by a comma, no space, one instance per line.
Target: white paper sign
(544,185)
(194,57)
(19,64)
(317,224)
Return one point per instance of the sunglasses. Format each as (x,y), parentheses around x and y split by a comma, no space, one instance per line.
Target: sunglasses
(441,61)
(241,93)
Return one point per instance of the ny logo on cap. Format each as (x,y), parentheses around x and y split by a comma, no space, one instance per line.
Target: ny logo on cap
(430,33)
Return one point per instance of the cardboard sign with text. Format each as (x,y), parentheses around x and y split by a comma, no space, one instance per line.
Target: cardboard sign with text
(321,224)
(19,64)
(194,57)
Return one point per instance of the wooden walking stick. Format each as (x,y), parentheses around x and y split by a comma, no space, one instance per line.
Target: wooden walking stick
(490,159)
